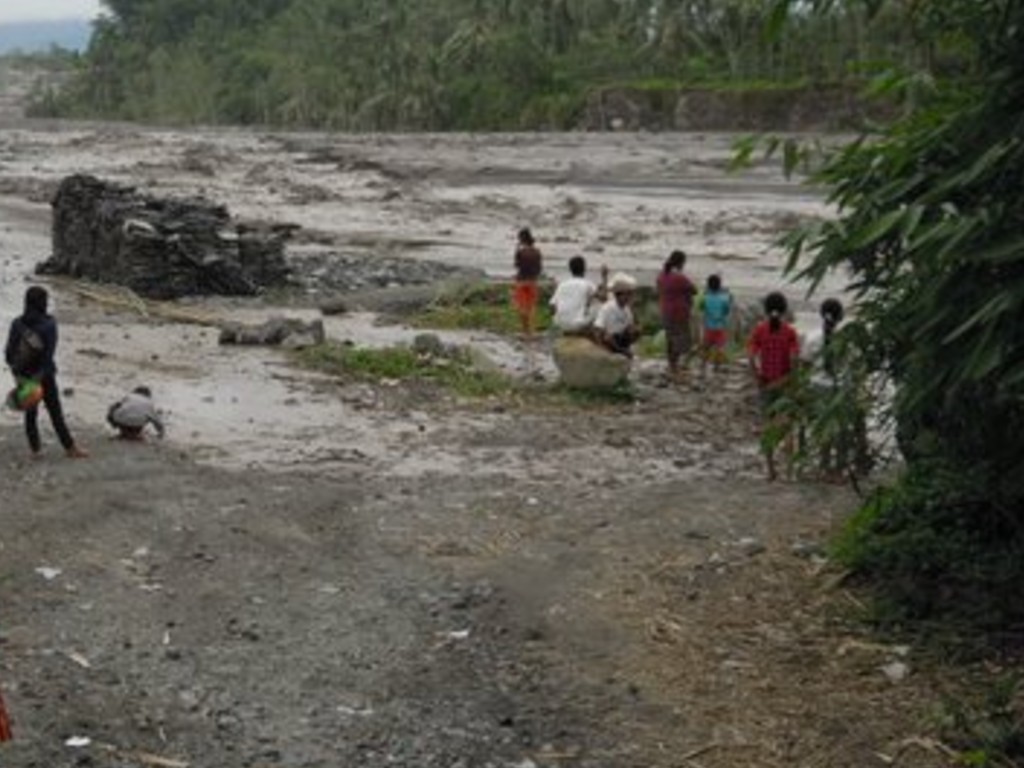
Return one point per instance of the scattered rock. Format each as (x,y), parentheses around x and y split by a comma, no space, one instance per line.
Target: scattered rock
(277,331)
(337,272)
(429,344)
(334,307)
(807,549)
(750,546)
(300,341)
(896,671)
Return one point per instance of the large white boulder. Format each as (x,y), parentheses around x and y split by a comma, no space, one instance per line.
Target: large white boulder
(582,364)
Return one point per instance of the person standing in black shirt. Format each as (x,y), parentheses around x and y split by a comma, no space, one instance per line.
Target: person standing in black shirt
(30,350)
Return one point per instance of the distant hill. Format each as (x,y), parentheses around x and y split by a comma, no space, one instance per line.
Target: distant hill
(32,36)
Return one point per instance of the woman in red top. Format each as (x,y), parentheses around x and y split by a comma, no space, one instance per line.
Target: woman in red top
(675,299)
(774,349)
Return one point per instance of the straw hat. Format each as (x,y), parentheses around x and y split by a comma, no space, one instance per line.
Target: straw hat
(622,283)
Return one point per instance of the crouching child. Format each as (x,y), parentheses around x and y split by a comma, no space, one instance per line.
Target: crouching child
(133,413)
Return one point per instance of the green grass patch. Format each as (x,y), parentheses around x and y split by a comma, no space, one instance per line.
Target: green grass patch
(455,372)
(481,307)
(500,320)
(652,346)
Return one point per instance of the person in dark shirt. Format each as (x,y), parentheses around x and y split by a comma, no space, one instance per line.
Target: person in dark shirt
(528,264)
(37,323)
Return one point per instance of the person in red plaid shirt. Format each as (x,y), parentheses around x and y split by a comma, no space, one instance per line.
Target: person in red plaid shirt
(774,350)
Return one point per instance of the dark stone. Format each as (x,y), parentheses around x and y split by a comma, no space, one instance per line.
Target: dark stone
(334,307)
(429,344)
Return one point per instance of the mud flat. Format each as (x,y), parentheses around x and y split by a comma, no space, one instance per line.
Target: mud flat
(313,571)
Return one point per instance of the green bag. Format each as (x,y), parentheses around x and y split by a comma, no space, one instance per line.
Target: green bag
(27,393)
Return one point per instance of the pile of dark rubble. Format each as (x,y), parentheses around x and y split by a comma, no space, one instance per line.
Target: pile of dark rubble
(161,248)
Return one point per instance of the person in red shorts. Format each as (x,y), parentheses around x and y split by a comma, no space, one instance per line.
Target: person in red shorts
(715,306)
(774,351)
(528,264)
(5,723)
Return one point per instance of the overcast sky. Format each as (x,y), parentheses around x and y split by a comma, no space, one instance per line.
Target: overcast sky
(16,10)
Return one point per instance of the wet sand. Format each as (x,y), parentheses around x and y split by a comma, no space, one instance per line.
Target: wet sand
(621,200)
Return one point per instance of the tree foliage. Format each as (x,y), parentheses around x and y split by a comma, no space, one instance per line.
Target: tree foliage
(931,233)
(445,64)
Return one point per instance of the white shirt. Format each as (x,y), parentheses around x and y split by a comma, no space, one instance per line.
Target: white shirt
(812,353)
(613,319)
(572,303)
(135,411)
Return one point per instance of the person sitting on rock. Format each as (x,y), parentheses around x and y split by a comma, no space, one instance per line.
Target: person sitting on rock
(574,298)
(614,326)
(133,413)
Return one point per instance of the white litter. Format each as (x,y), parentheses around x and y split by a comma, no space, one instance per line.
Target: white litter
(353,712)
(896,671)
(79,659)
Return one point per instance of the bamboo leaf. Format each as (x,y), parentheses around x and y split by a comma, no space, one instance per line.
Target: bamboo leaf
(881,227)
(1002,254)
(999,304)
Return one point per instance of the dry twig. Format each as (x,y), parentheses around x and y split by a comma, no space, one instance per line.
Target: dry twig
(126,299)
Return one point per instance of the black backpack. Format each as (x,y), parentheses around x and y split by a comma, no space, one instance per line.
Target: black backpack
(29,350)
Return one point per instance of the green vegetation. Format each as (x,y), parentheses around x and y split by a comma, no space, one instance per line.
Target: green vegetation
(48,71)
(652,345)
(989,728)
(454,372)
(930,231)
(480,307)
(459,64)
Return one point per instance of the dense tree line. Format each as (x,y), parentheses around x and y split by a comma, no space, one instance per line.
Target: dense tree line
(452,64)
